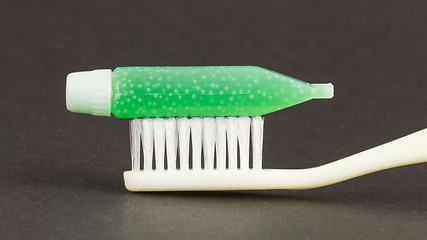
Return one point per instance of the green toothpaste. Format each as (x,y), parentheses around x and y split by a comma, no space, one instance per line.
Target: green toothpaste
(214,91)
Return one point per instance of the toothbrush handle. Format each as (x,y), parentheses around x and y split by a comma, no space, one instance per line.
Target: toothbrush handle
(407,150)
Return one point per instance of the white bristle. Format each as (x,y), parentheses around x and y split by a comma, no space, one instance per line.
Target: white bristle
(209,142)
(221,143)
(214,136)
(159,143)
(232,142)
(135,143)
(147,143)
(244,126)
(196,140)
(257,139)
(184,142)
(171,143)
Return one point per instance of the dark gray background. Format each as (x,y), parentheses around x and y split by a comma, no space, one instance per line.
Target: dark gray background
(61,173)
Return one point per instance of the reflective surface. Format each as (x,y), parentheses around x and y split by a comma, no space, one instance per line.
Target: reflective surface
(61,173)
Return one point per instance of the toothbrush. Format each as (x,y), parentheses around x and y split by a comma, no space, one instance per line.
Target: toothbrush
(218,109)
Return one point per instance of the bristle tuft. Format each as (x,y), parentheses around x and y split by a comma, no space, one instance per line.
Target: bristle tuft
(257,139)
(196,125)
(244,129)
(135,130)
(184,143)
(232,126)
(209,131)
(159,129)
(171,143)
(147,142)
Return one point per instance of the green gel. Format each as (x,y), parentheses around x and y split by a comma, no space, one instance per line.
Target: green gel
(141,92)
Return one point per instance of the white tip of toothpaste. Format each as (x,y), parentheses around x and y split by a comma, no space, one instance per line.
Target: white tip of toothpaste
(89,92)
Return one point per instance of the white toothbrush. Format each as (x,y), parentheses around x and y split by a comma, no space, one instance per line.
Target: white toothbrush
(220,139)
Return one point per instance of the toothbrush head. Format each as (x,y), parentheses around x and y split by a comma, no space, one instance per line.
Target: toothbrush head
(228,137)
